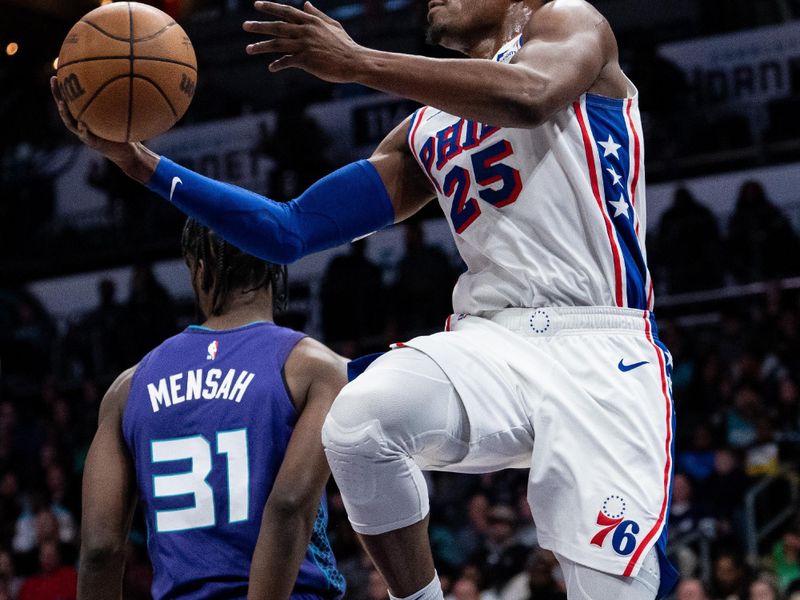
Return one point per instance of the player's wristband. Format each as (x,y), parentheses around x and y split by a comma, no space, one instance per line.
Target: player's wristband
(345,205)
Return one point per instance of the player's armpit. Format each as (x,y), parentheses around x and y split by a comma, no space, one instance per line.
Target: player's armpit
(109,491)
(314,376)
(408,187)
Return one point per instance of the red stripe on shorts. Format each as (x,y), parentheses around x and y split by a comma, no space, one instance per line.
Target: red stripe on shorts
(668,466)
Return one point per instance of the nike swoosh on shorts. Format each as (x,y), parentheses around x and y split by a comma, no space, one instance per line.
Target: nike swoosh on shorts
(625,368)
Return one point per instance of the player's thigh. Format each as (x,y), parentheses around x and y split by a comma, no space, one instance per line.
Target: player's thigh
(409,405)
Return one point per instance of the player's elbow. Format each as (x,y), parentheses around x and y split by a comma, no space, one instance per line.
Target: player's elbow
(291,504)
(97,552)
(528,104)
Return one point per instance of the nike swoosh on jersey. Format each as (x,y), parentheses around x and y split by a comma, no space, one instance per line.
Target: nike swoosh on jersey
(625,368)
(175,182)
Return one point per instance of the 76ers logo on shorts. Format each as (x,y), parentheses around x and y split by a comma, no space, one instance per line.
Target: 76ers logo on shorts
(611,519)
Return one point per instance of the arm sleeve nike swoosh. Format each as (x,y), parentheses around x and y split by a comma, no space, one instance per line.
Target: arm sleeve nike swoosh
(345,205)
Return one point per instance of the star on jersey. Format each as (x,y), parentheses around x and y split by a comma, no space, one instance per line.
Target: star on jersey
(617,178)
(610,147)
(620,207)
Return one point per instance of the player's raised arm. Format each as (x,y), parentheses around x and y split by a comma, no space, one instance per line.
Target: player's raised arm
(566,45)
(109,491)
(314,376)
(354,201)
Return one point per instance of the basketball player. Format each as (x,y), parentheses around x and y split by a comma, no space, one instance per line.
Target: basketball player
(217,432)
(533,147)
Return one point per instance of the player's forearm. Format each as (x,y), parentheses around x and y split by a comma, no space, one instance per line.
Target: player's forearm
(346,204)
(481,90)
(100,574)
(281,546)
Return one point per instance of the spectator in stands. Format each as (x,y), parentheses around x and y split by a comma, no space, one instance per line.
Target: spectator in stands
(422,297)
(472,534)
(353,303)
(691,589)
(787,406)
(10,508)
(9,582)
(785,559)
(54,580)
(465,588)
(764,588)
(729,577)
(761,242)
(688,247)
(698,461)
(300,160)
(741,418)
(501,556)
(99,340)
(724,490)
(685,515)
(151,312)
(762,457)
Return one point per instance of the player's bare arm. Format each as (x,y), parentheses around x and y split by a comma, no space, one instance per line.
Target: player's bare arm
(406,183)
(567,47)
(314,377)
(109,492)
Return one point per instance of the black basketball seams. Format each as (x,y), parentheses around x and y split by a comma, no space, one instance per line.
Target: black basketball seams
(97,93)
(160,91)
(145,38)
(127,57)
(130,82)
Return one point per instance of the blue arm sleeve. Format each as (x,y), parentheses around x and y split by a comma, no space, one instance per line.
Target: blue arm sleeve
(347,204)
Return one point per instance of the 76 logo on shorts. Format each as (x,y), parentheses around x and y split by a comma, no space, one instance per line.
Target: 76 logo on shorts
(611,519)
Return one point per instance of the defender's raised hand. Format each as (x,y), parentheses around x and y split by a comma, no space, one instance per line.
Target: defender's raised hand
(307,39)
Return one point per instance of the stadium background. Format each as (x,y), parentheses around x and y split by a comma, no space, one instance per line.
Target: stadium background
(90,279)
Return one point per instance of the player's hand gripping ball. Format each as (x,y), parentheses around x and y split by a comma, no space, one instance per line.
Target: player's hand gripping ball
(127,71)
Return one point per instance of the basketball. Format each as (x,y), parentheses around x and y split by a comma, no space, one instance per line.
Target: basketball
(128,71)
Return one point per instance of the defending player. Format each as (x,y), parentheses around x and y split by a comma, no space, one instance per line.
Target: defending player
(533,148)
(217,431)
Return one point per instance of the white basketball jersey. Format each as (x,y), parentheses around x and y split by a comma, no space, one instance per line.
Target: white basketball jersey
(549,216)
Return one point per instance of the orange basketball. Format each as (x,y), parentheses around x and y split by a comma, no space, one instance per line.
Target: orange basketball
(128,71)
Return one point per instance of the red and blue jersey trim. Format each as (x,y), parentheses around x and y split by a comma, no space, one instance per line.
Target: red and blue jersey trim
(613,155)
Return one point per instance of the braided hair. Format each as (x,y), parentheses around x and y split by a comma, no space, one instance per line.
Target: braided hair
(228,269)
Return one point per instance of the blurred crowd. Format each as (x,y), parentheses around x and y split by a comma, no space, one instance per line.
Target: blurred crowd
(736,382)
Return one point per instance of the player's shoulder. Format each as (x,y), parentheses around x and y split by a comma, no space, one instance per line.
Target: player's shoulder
(312,357)
(116,396)
(560,16)
(312,364)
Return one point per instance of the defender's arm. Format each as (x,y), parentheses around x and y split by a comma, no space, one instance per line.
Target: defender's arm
(109,492)
(314,376)
(567,44)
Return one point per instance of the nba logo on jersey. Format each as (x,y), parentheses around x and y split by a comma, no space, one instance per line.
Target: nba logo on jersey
(212,350)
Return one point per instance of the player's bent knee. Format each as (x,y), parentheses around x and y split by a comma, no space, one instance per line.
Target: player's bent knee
(382,489)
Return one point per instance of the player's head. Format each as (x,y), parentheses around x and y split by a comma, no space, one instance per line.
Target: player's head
(459,24)
(221,272)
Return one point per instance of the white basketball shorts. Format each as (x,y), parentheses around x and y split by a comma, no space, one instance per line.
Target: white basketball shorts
(582,396)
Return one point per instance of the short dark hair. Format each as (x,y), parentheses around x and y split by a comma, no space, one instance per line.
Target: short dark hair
(227,268)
